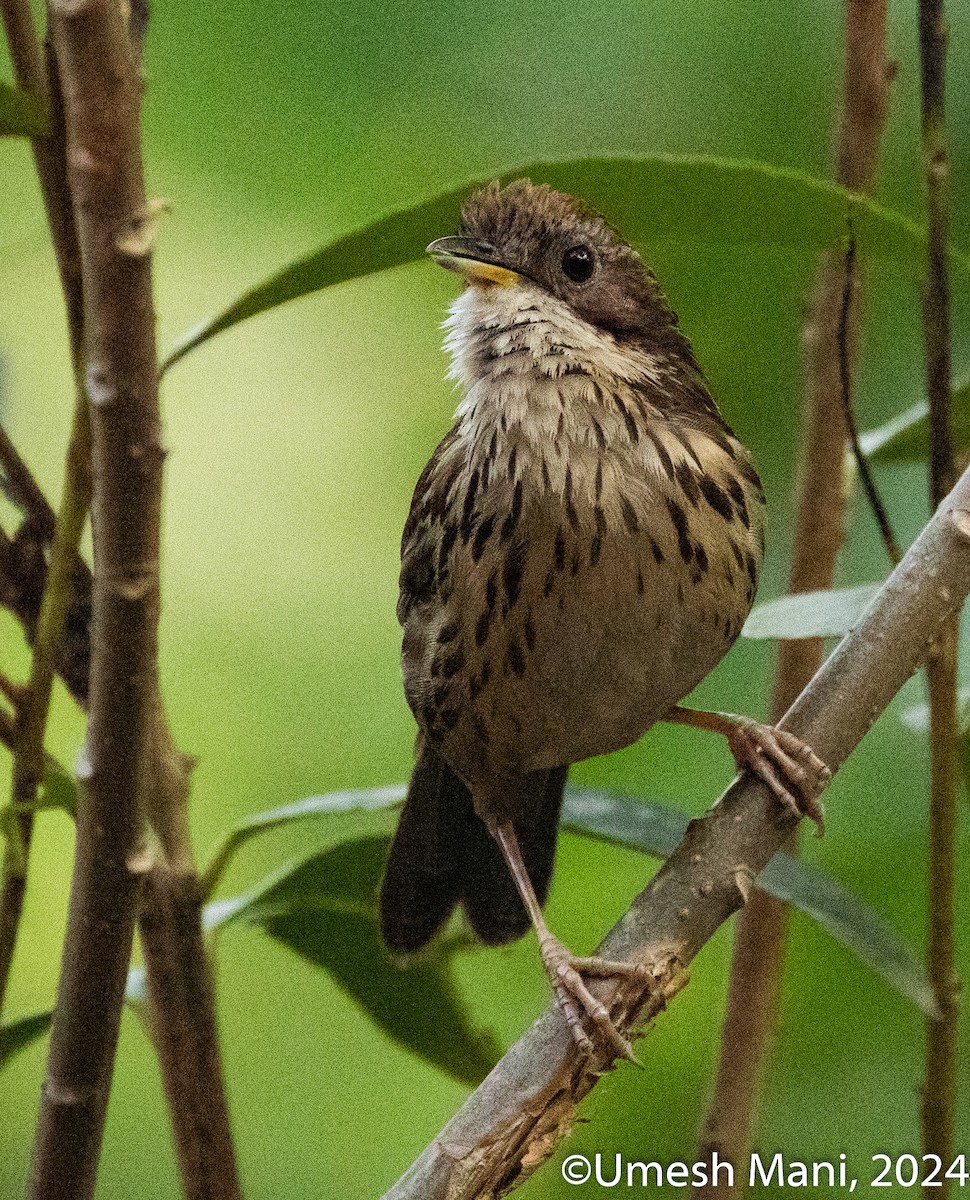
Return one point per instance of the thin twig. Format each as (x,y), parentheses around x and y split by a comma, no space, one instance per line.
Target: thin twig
(751,1013)
(939,1087)
(515,1119)
(101,92)
(848,408)
(31,70)
(182,1022)
(29,758)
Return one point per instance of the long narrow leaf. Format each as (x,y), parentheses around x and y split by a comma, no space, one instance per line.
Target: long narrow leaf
(906,437)
(326,805)
(696,199)
(324,908)
(19,1034)
(656,830)
(810,614)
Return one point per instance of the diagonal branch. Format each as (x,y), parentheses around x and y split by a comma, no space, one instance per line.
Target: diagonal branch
(514,1120)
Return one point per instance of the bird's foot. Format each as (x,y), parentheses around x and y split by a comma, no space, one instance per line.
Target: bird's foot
(783,761)
(566,973)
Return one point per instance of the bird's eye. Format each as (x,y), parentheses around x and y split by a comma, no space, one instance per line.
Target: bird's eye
(578,263)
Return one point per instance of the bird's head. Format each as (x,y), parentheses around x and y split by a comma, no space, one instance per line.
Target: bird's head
(550,245)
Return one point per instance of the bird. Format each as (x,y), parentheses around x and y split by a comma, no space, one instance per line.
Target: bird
(582,549)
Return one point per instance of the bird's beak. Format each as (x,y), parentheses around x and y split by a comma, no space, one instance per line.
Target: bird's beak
(476,260)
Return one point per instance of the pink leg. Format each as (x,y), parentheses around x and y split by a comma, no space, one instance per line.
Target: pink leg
(779,758)
(563,968)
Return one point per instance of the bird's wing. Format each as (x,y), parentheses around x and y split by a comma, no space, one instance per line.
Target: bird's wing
(426,529)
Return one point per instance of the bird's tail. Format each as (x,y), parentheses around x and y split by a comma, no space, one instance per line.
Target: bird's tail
(443,855)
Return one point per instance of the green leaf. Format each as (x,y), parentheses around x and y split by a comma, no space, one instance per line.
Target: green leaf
(810,614)
(58,788)
(694,199)
(329,804)
(21,114)
(19,1034)
(324,907)
(656,830)
(906,438)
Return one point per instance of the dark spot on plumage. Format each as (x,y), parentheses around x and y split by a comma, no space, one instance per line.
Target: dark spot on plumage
(571,514)
(629,515)
(599,519)
(449,718)
(486,672)
(513,460)
(639,581)
(700,556)
(546,481)
(751,567)
(688,482)
(516,725)
(493,445)
(512,517)
(680,592)
(448,633)
(658,554)
(572,369)
(729,575)
(742,511)
(482,626)
(452,663)
(468,508)
(529,631)
(480,729)
(435,668)
(728,630)
(561,425)
(449,537)
(716,498)
(684,438)
(598,432)
(599,480)
(666,462)
(486,474)
(503,422)
(679,518)
(595,549)
(549,584)
(562,601)
(512,570)
(515,658)
(574,565)
(747,472)
(735,490)
(491,592)
(482,534)
(632,429)
(439,694)
(696,576)
(560,550)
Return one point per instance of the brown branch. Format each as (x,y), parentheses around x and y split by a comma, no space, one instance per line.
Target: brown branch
(182,1020)
(514,1120)
(34,73)
(939,1087)
(101,92)
(830,338)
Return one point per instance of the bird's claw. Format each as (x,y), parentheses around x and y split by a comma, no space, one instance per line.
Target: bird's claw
(778,757)
(566,972)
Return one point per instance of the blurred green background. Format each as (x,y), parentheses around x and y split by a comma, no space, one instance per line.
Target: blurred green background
(295,441)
